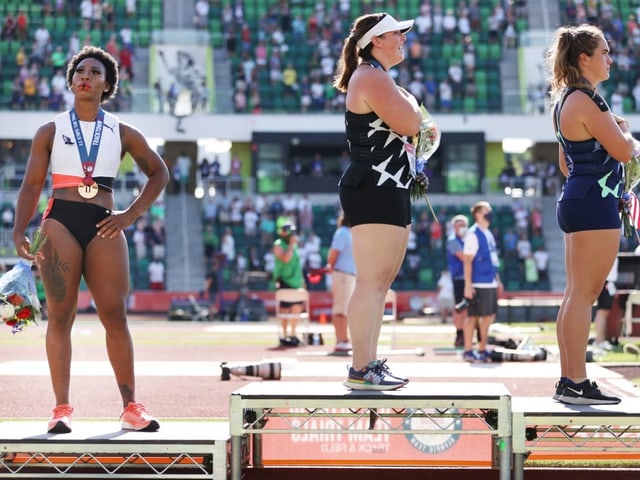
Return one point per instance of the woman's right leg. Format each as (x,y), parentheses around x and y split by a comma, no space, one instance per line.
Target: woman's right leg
(375,250)
(592,255)
(61,269)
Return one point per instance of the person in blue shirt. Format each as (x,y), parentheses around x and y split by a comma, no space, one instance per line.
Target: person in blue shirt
(593,145)
(455,244)
(481,282)
(343,281)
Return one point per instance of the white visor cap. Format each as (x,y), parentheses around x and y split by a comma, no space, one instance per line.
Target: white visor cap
(387,24)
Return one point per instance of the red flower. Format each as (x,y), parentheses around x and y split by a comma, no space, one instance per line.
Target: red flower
(11,323)
(15,299)
(24,313)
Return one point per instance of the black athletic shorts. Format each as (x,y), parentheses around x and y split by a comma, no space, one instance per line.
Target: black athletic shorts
(458,289)
(485,302)
(605,299)
(368,203)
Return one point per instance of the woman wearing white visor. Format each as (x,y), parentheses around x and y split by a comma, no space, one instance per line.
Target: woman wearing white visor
(381,118)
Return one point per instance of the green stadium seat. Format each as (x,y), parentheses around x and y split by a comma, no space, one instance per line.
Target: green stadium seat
(513,285)
(425,278)
(482,51)
(495,51)
(469,105)
(5,48)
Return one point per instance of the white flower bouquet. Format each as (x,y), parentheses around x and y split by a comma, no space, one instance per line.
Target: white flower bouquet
(424,145)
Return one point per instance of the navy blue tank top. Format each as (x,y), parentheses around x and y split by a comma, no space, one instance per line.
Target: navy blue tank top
(589,164)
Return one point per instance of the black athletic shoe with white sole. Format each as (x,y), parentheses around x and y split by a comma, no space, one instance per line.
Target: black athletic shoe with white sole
(585,393)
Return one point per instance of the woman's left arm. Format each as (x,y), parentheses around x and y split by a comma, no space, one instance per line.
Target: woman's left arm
(150,163)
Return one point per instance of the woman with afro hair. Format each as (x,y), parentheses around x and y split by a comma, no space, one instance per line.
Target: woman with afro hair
(83,148)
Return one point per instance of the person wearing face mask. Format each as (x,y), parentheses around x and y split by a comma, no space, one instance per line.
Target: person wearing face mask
(455,244)
(481,282)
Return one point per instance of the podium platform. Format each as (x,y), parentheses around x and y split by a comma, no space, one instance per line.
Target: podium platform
(328,408)
(195,450)
(545,428)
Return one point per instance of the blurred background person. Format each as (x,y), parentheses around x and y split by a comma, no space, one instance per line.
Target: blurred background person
(343,281)
(288,273)
(481,282)
(455,244)
(445,295)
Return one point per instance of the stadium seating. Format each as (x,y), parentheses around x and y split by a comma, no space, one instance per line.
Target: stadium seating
(149,17)
(431,260)
(304,56)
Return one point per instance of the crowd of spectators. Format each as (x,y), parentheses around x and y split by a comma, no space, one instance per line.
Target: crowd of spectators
(541,177)
(281,59)
(240,233)
(282,56)
(284,60)
(622,30)
(40,52)
(242,230)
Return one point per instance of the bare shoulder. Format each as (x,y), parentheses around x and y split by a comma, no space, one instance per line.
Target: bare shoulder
(580,101)
(45,129)
(131,135)
(45,133)
(128,129)
(372,81)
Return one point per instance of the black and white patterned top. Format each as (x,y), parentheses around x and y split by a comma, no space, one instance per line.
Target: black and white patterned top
(377,150)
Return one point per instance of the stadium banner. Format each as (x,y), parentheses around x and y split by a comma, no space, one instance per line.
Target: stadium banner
(180,78)
(313,445)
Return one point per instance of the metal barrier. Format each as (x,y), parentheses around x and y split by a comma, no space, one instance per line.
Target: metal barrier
(195,450)
(544,427)
(259,409)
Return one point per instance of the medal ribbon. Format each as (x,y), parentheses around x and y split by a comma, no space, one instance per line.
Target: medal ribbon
(88,159)
(375,64)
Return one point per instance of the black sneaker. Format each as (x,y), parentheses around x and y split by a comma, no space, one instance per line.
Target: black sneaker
(585,393)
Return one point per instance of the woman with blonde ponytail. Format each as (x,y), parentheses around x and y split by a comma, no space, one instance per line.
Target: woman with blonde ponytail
(593,145)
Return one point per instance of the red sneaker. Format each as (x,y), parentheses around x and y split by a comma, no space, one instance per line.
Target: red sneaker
(136,417)
(60,421)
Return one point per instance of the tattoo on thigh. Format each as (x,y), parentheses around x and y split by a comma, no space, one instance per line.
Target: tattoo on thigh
(53,271)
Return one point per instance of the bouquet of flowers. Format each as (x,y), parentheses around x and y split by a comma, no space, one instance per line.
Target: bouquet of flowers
(630,203)
(19,303)
(424,145)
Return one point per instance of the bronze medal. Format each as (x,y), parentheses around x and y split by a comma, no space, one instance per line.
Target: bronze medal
(88,190)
